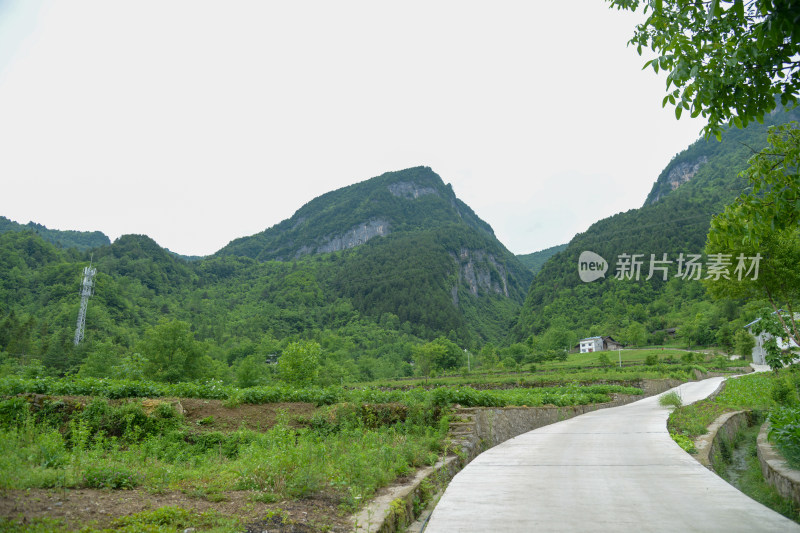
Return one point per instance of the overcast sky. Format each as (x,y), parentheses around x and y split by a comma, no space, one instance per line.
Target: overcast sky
(197,122)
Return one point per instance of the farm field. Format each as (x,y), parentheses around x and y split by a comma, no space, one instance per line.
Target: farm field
(134,455)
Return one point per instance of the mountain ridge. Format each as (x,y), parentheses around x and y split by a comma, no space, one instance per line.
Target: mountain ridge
(698,183)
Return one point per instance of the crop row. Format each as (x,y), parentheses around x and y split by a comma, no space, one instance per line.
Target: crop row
(573,394)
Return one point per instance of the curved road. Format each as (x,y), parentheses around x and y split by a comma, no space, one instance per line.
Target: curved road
(608,470)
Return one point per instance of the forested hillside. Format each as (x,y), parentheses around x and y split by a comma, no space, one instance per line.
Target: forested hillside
(429,259)
(536,260)
(675,219)
(82,240)
(435,273)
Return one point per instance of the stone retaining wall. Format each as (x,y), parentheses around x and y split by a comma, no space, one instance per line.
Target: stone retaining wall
(776,470)
(497,425)
(721,435)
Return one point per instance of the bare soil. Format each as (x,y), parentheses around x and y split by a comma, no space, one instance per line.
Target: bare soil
(79,508)
(214,415)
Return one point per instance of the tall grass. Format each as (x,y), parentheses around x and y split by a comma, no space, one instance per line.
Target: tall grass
(157,453)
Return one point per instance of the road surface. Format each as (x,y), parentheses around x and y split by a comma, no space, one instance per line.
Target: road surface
(608,470)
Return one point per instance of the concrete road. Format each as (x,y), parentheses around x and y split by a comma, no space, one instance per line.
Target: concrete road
(608,470)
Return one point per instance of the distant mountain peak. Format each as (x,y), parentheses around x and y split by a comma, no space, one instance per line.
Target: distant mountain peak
(404,200)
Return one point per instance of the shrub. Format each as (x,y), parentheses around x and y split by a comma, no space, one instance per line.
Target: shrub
(785,432)
(110,477)
(783,391)
(670,399)
(651,360)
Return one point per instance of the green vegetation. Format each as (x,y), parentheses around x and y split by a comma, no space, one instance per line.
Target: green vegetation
(737,79)
(670,399)
(740,467)
(534,261)
(785,433)
(684,442)
(558,377)
(775,395)
(438,275)
(80,240)
(571,393)
(53,443)
(674,311)
(66,433)
(754,391)
(764,220)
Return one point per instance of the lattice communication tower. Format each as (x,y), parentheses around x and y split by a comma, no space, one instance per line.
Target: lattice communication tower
(87,288)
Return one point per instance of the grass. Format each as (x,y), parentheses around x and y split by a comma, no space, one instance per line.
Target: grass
(167,519)
(58,450)
(670,399)
(626,375)
(589,360)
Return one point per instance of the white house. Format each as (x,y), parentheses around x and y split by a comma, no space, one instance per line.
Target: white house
(759,354)
(592,344)
(598,344)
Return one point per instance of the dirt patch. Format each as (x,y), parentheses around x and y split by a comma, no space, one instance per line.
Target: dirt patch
(215,416)
(206,415)
(78,508)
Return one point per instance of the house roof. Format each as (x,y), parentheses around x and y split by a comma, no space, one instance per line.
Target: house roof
(590,338)
(796,317)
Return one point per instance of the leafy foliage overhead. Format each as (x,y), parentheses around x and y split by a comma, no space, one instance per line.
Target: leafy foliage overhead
(727,60)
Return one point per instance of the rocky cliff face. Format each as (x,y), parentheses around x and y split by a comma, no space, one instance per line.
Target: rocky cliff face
(355,236)
(410,190)
(680,174)
(481,272)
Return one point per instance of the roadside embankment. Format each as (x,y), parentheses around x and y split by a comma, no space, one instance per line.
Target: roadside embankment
(776,469)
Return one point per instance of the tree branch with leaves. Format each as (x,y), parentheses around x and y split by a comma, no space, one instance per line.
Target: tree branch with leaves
(730,61)
(765,220)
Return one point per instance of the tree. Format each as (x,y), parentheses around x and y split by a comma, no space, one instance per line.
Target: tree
(251,371)
(728,60)
(636,334)
(298,365)
(172,352)
(743,343)
(761,228)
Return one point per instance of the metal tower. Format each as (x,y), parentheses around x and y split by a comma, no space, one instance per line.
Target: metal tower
(86,291)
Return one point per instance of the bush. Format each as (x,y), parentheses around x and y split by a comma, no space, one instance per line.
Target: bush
(670,399)
(110,477)
(784,392)
(651,360)
(785,432)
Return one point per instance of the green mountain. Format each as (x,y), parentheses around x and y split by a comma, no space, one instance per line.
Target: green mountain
(674,220)
(408,247)
(536,260)
(81,240)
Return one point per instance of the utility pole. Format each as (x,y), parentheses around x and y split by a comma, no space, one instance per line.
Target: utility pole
(87,285)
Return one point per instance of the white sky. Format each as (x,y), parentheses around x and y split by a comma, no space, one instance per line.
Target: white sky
(197,122)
